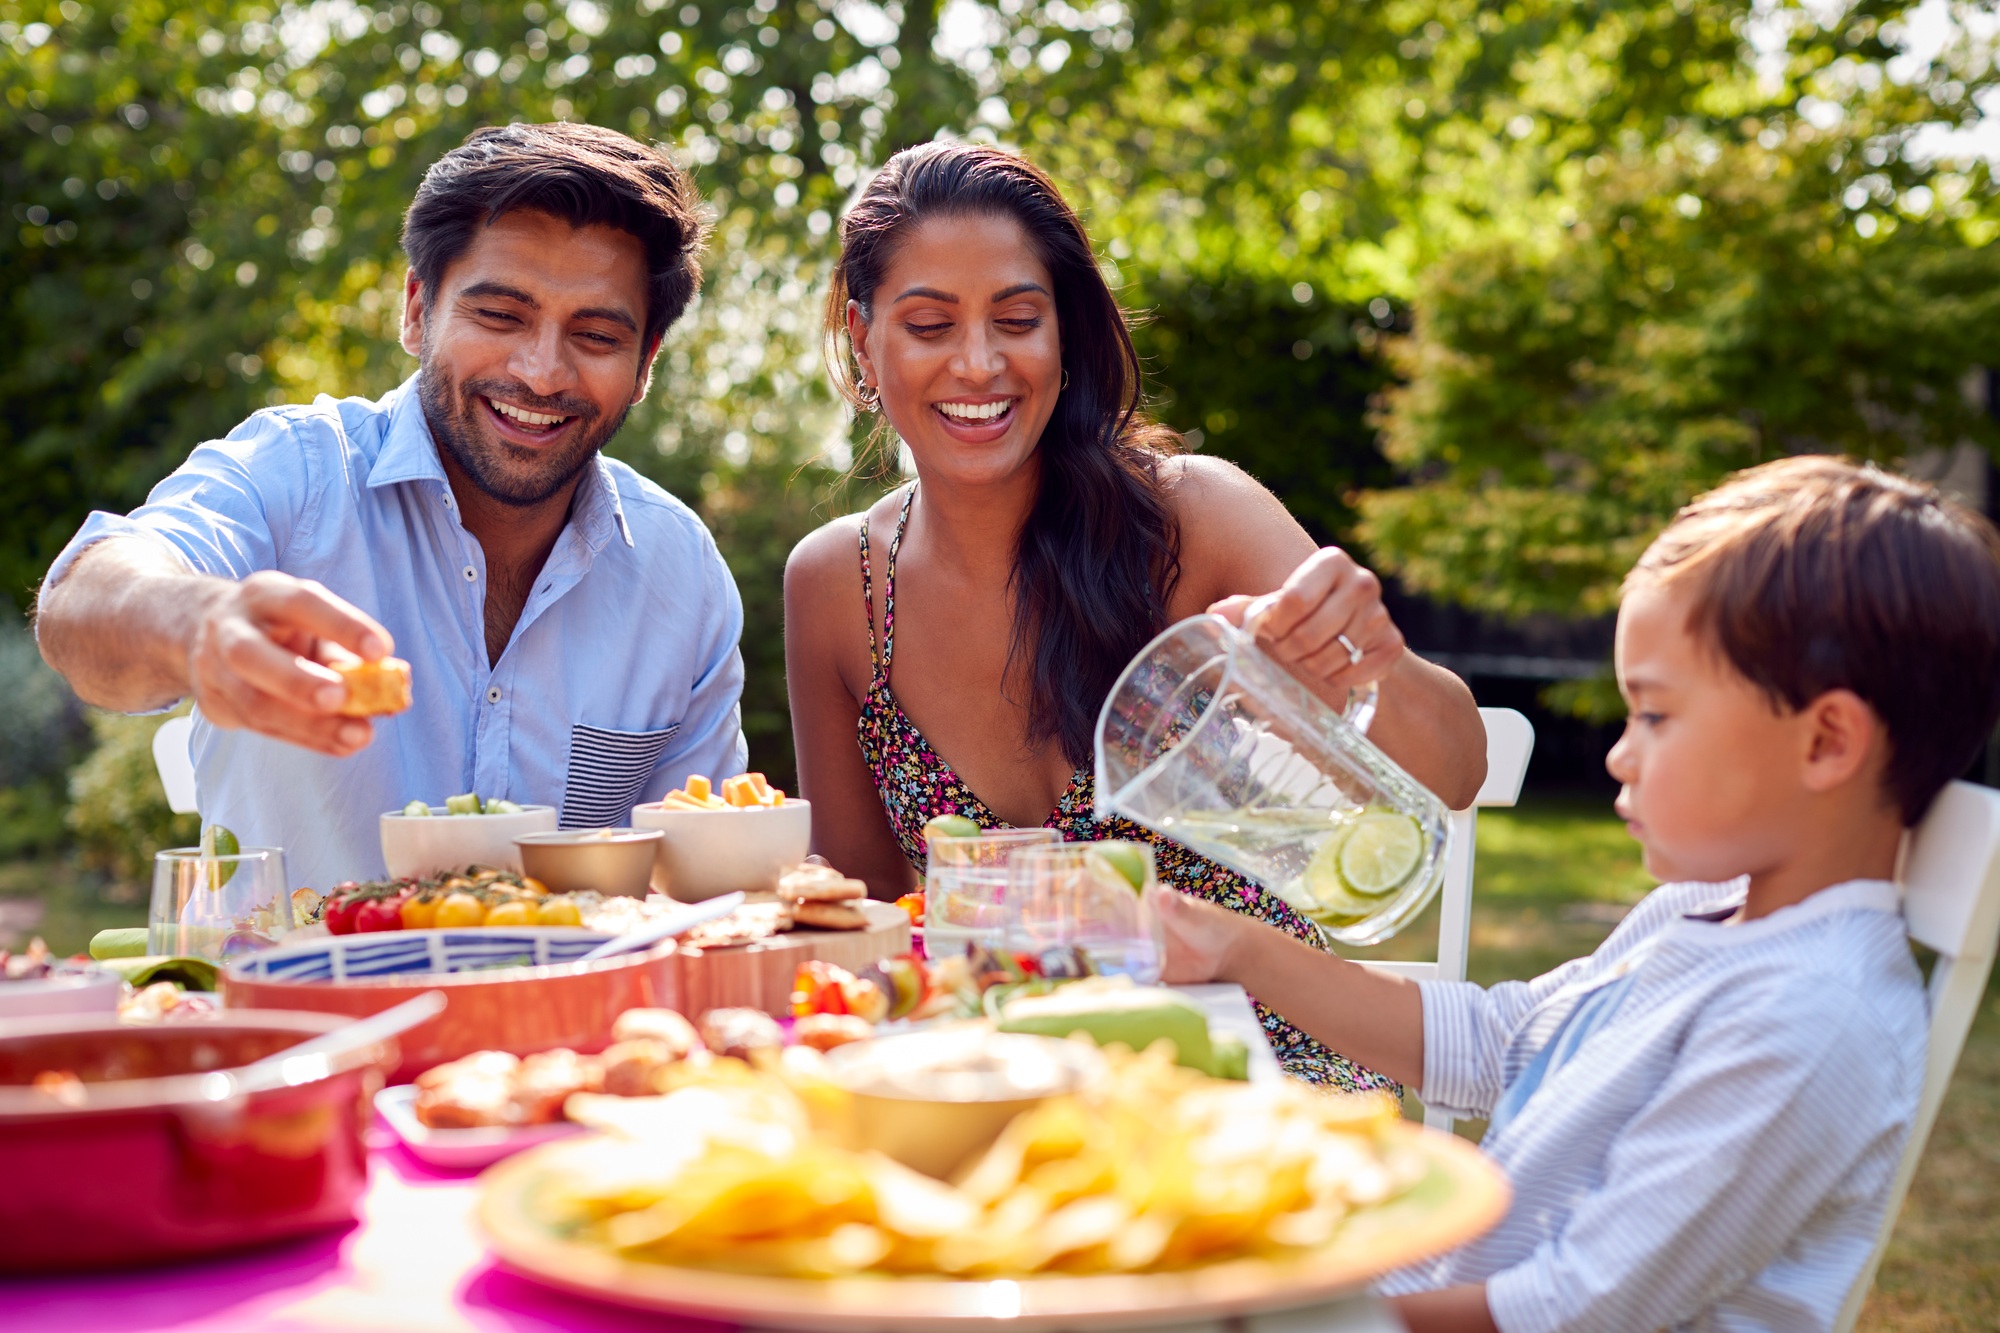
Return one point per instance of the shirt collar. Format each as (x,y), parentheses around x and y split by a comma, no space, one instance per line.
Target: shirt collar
(1854,895)
(597,511)
(408,453)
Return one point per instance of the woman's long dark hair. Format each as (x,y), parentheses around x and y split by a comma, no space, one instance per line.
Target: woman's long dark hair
(1099,554)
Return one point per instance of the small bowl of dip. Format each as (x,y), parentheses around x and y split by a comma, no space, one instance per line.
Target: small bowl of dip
(615,862)
(935,1100)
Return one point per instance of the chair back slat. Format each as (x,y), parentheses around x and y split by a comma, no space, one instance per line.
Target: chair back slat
(174,759)
(1951,872)
(1510,739)
(1951,901)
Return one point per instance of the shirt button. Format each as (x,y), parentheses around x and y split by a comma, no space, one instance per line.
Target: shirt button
(493,695)
(471,574)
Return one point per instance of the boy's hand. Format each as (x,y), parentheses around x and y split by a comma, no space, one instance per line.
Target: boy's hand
(1199,937)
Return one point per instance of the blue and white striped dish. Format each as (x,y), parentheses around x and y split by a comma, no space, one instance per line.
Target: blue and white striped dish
(400,952)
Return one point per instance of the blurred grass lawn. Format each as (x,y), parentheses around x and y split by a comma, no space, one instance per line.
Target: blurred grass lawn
(1553,878)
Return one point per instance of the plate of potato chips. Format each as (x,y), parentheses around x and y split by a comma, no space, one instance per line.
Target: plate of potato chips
(1155,1194)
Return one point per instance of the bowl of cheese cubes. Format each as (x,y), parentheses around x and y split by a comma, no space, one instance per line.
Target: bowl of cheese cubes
(738,834)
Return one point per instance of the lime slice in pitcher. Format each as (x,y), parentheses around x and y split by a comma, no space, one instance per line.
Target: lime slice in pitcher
(1380,852)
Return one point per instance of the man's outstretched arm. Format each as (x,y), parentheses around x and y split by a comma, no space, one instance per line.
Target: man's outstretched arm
(132,628)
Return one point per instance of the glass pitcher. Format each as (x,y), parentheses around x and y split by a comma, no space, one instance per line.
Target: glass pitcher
(1208,741)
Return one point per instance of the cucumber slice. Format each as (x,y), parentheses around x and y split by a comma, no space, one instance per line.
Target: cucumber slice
(466,804)
(415,809)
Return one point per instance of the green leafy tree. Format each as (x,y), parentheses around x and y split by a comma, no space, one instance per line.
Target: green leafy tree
(1798,279)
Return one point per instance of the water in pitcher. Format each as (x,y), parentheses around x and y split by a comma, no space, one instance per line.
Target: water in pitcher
(1336,867)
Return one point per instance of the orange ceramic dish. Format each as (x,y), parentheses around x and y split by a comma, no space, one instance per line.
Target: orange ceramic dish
(521,1010)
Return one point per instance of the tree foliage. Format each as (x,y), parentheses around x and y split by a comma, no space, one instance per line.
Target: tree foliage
(202,203)
(1790,269)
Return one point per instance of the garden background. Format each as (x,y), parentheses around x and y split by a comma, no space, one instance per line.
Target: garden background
(1484,290)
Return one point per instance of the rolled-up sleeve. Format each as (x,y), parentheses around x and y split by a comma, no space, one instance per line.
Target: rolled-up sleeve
(710,740)
(1467,1032)
(229,510)
(1765,1116)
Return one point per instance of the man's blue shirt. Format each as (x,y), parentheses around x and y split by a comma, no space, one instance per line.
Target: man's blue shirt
(621,679)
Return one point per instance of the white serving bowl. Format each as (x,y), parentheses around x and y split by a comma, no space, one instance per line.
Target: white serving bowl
(427,844)
(84,990)
(708,852)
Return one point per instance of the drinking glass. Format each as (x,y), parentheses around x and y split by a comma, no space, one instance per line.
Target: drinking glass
(1207,740)
(218,907)
(965,887)
(1075,896)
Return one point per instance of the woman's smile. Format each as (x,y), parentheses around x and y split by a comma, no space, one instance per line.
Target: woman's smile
(977,420)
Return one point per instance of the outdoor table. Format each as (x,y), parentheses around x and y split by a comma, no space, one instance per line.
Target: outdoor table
(415,1263)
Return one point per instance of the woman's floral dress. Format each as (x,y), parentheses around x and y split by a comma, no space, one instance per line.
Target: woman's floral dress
(916,785)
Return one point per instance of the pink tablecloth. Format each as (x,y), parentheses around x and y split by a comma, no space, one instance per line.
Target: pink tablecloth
(415,1263)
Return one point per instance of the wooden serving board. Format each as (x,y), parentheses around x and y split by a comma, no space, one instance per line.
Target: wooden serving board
(759,975)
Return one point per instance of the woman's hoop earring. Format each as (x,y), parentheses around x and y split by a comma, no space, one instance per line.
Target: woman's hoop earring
(1065,382)
(868,395)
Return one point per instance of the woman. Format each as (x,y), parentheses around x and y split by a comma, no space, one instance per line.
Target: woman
(1050,533)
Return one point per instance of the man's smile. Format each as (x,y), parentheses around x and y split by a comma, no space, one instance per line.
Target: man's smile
(522,423)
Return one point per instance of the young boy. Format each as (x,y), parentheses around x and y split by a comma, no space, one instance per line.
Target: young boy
(1701,1120)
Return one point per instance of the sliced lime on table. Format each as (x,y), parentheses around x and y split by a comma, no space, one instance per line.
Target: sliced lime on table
(950,826)
(1349,876)
(1127,859)
(217,842)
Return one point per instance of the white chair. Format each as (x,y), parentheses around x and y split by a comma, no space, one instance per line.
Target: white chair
(1510,739)
(1951,899)
(175,761)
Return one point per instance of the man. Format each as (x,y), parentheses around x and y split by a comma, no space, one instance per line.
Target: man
(570,627)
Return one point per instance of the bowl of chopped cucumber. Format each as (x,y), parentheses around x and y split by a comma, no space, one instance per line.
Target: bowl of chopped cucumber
(422,839)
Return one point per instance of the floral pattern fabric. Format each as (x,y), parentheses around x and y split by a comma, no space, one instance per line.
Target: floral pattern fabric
(916,785)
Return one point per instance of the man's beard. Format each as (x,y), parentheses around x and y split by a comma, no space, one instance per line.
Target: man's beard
(455,414)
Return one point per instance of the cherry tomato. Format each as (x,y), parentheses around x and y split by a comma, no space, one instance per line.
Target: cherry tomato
(459,910)
(339,914)
(558,912)
(378,914)
(515,913)
(419,913)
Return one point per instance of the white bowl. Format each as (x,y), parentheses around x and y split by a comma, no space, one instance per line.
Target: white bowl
(428,844)
(88,990)
(708,852)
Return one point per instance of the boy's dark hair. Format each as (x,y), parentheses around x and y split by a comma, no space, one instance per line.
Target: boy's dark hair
(584,174)
(1813,574)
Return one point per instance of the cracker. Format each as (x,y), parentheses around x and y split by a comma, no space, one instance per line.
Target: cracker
(830,916)
(819,884)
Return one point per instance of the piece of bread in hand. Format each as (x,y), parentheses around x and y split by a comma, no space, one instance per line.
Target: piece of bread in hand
(374,689)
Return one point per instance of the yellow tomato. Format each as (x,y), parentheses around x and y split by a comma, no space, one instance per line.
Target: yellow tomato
(512,914)
(458,911)
(533,887)
(558,912)
(419,913)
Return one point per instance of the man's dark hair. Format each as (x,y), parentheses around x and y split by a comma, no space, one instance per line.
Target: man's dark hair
(1812,574)
(584,174)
